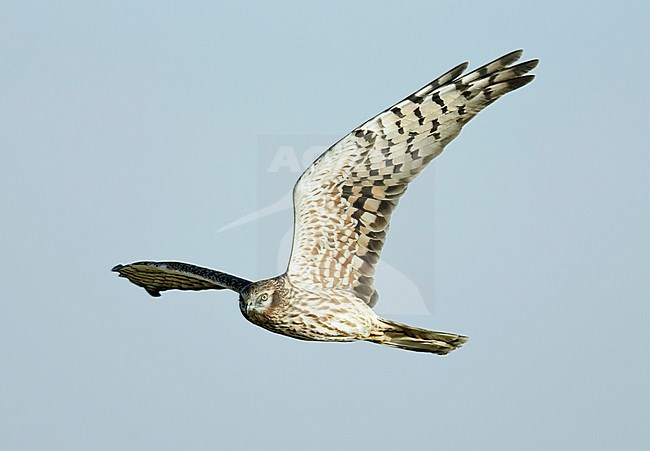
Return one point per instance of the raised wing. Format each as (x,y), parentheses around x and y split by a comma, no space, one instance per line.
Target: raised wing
(162,276)
(343,202)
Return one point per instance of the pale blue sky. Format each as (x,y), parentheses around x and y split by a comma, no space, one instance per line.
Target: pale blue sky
(129,130)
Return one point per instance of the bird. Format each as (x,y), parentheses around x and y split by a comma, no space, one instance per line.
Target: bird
(342,206)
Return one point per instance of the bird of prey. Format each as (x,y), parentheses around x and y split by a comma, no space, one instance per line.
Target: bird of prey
(342,208)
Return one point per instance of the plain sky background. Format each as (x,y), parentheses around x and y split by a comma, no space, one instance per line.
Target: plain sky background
(129,131)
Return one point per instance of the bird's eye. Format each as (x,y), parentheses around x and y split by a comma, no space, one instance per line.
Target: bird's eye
(264,297)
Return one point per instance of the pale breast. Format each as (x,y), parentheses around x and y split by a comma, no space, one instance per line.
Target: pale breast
(333,315)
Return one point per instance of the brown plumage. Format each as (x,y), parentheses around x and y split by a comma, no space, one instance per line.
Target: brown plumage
(342,208)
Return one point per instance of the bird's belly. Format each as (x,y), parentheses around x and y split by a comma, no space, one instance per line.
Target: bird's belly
(320,322)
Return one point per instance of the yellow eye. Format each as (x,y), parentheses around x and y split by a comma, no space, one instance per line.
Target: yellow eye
(264,297)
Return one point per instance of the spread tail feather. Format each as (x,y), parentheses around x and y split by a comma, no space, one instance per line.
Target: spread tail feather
(411,338)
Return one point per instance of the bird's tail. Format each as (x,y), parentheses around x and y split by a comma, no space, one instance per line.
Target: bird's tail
(411,338)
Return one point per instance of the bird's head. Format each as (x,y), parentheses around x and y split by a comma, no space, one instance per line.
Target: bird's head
(259,298)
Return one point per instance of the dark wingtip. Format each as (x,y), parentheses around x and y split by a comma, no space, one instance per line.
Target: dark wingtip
(515,54)
(516,83)
(533,63)
(462,67)
(522,81)
(508,58)
(525,67)
(154,293)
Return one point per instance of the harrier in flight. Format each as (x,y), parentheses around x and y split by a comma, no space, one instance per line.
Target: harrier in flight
(342,208)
